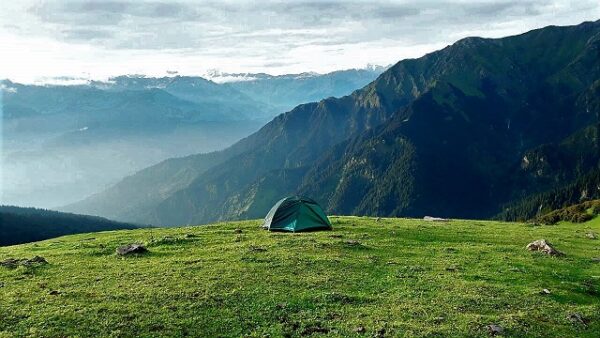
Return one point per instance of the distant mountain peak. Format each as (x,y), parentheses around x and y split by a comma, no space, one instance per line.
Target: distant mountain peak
(225,77)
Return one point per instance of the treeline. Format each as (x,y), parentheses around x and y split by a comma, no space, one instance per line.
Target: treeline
(583,189)
(22,225)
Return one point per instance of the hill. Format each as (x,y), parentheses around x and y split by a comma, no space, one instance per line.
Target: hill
(496,121)
(23,225)
(391,278)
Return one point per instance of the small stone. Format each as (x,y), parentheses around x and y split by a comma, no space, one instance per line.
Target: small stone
(577,318)
(452,268)
(494,329)
(435,219)
(256,248)
(131,249)
(314,330)
(361,329)
(10,263)
(237,231)
(380,333)
(13,262)
(591,235)
(545,292)
(544,246)
(54,293)
(35,260)
(378,219)
(438,320)
(1,284)
(596,259)
(352,242)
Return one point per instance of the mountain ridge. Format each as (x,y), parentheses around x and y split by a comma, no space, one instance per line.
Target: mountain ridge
(22,225)
(479,101)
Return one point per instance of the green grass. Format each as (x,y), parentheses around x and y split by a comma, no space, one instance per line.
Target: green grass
(396,277)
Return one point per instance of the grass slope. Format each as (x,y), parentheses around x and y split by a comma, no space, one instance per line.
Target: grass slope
(396,277)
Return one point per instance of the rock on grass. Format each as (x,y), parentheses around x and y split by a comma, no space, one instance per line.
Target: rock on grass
(544,246)
(361,329)
(577,318)
(494,329)
(131,249)
(14,262)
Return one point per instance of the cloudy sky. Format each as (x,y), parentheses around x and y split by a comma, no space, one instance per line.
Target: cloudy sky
(97,39)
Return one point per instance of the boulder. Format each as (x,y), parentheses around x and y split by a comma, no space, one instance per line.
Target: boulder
(545,247)
(131,249)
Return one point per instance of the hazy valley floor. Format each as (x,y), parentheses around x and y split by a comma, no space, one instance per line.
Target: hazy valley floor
(395,277)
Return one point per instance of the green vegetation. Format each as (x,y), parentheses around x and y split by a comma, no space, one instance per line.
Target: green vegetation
(393,277)
(577,213)
(23,225)
(558,198)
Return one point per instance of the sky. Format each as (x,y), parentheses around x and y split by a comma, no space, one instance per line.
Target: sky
(65,40)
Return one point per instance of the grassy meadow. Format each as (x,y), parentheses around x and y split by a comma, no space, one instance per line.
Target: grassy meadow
(393,277)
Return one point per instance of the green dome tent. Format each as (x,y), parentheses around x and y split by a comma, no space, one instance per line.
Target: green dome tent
(296,214)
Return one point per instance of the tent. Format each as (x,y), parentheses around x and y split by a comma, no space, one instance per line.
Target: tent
(296,213)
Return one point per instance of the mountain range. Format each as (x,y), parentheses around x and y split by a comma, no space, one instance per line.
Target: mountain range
(470,131)
(287,91)
(79,139)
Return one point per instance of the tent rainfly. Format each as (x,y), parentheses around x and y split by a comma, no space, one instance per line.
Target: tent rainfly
(296,214)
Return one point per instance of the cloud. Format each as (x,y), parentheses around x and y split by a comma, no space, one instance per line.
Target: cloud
(270,36)
(114,11)
(84,34)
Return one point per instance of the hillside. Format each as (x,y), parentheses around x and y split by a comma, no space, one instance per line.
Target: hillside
(394,277)
(24,225)
(496,121)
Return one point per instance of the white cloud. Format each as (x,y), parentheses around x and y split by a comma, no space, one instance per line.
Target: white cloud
(99,39)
